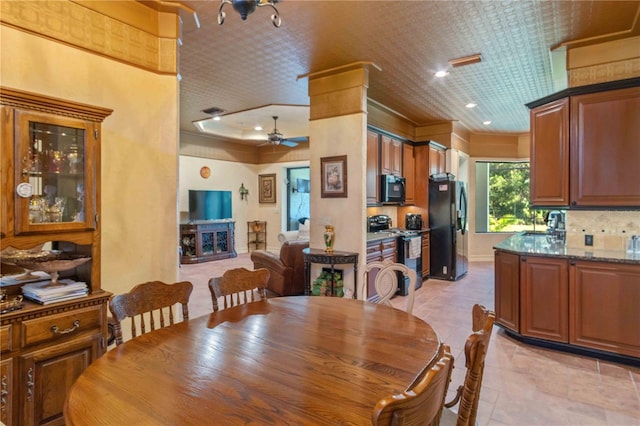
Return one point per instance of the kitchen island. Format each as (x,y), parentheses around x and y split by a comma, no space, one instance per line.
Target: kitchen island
(570,299)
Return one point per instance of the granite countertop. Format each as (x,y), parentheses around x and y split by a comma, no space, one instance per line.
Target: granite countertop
(381,235)
(538,245)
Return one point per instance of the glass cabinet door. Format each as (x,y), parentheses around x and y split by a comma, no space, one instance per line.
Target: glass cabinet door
(54,176)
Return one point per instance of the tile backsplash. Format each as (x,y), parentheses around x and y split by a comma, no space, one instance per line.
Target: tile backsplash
(611,229)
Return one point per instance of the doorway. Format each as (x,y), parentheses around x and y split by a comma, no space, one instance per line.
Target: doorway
(298,186)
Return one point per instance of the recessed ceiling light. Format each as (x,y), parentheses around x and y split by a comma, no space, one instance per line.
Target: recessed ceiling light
(216,118)
(471,105)
(486,122)
(442,73)
(257,128)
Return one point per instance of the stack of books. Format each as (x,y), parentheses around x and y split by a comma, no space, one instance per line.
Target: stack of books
(45,292)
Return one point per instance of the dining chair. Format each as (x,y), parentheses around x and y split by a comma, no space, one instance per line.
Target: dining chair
(386,281)
(238,286)
(475,349)
(153,299)
(422,402)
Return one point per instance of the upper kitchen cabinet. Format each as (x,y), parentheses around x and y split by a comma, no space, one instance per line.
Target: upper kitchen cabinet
(584,146)
(550,154)
(409,168)
(373,165)
(437,159)
(391,156)
(605,148)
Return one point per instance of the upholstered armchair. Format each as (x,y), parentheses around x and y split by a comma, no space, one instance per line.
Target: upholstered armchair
(286,268)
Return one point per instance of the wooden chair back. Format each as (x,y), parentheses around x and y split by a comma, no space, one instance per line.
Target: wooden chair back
(475,350)
(149,300)
(386,281)
(422,402)
(238,286)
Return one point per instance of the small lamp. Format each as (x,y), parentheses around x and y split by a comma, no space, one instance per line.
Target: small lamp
(243,191)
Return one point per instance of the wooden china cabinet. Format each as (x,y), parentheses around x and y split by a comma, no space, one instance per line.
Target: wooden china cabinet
(50,175)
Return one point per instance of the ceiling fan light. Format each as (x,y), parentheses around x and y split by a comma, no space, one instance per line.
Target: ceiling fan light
(247,7)
(244,7)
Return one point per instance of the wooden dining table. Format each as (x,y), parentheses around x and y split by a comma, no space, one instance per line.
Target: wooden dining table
(288,360)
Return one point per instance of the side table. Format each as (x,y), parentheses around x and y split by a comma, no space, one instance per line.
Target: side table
(329,258)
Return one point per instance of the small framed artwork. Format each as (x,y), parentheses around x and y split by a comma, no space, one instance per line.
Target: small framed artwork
(267,188)
(334,177)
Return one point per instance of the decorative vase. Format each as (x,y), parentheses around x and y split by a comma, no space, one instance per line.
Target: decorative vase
(329,238)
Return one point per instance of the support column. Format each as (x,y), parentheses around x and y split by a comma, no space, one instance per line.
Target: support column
(338,124)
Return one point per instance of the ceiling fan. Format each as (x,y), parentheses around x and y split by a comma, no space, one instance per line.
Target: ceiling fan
(276,138)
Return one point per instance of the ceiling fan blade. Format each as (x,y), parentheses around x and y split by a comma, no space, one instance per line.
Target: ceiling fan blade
(288,142)
(299,139)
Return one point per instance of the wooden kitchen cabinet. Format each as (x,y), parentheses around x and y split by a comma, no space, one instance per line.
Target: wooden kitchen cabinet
(544,298)
(605,153)
(408,166)
(50,172)
(437,160)
(426,253)
(584,150)
(507,290)
(378,251)
(605,301)
(373,166)
(550,154)
(390,156)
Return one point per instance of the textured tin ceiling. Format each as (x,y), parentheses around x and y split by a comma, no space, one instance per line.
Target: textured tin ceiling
(243,65)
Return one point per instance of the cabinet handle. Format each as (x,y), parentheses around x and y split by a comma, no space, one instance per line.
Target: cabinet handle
(4,392)
(76,325)
(30,384)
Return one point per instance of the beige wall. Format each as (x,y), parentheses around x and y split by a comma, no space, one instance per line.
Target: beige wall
(228,176)
(139,149)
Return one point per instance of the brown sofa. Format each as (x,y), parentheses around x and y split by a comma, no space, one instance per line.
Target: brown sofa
(287,268)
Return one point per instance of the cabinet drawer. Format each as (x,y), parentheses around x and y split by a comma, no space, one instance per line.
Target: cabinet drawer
(388,245)
(374,248)
(42,329)
(6,340)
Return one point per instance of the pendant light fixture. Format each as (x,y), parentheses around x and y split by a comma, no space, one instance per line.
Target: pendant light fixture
(246,7)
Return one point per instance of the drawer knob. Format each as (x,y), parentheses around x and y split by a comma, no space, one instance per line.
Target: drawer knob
(76,325)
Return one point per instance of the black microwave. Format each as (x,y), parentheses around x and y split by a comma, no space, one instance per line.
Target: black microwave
(392,189)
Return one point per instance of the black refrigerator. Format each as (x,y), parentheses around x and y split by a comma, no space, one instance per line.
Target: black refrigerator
(448,223)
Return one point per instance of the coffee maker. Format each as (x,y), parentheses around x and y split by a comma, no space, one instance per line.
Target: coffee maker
(556,230)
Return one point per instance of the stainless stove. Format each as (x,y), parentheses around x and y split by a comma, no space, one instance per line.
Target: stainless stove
(409,248)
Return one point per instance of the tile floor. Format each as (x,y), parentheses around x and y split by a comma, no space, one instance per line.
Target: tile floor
(523,385)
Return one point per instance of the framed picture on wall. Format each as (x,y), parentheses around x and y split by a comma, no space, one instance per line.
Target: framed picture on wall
(334,177)
(267,188)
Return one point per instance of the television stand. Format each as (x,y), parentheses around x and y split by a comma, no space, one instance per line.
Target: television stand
(207,240)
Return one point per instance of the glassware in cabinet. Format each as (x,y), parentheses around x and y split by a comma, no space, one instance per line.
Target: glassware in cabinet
(54,178)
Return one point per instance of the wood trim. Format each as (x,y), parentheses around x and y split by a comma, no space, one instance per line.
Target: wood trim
(41,103)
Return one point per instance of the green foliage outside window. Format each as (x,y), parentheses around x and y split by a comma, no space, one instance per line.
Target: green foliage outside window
(509,202)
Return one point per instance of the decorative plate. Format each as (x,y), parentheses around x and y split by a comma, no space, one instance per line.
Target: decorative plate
(25,190)
(205,172)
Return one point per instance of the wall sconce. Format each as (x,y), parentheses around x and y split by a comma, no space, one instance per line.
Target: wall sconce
(243,191)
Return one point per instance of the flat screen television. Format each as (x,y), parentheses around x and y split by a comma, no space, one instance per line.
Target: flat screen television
(303,185)
(209,205)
